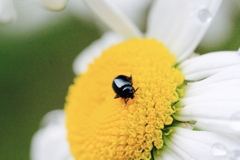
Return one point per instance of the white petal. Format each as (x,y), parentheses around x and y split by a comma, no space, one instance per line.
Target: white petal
(79,9)
(195,89)
(223,86)
(114,18)
(7,12)
(214,102)
(175,151)
(136,10)
(227,74)
(53,117)
(210,110)
(225,83)
(206,65)
(222,116)
(168,154)
(201,145)
(54,5)
(221,27)
(181,24)
(50,142)
(94,50)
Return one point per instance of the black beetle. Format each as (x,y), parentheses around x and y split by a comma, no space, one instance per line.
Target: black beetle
(122,86)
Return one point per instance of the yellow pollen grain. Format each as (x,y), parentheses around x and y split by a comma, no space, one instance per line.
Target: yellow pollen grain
(101,127)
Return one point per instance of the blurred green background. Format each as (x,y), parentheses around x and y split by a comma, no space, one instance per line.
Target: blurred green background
(35,72)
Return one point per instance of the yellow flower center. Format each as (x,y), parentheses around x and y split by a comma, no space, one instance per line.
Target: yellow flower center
(101,127)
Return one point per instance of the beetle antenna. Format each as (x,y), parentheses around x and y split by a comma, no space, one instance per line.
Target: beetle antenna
(135,90)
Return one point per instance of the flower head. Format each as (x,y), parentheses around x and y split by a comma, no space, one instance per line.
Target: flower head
(110,128)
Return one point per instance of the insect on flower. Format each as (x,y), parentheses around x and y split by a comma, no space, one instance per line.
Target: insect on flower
(122,86)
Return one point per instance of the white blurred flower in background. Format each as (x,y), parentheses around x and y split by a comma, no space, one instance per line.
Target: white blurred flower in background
(7,12)
(55,5)
(30,15)
(26,16)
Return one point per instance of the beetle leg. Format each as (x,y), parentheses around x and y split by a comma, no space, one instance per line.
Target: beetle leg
(117,96)
(126,100)
(130,78)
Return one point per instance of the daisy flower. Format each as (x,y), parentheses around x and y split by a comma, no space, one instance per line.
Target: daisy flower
(184,106)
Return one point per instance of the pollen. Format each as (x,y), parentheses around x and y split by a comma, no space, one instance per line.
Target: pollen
(101,127)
